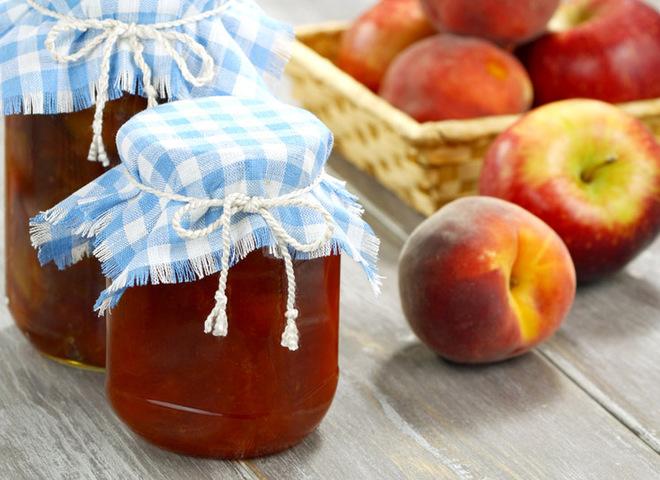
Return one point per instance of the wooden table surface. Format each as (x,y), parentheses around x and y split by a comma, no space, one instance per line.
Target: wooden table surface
(585,405)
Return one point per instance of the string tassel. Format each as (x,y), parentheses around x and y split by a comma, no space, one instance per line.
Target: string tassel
(217,322)
(290,337)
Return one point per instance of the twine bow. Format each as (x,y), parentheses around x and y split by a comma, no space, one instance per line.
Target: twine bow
(216,322)
(112,31)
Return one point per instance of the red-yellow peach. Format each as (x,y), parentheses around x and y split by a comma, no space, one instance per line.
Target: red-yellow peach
(484,280)
(450,77)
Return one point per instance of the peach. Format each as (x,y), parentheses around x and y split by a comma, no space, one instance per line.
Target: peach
(502,21)
(450,77)
(484,280)
(378,36)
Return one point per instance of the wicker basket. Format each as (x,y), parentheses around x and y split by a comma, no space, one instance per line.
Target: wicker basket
(426,164)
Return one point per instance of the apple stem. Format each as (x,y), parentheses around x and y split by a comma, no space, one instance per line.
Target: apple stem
(589,174)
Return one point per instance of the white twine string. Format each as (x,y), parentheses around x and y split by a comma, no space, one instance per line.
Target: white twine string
(111,32)
(216,322)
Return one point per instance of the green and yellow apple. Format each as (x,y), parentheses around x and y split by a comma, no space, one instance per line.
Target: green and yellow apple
(590,171)
(484,280)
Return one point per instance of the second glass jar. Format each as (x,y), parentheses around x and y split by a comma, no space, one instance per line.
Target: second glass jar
(45,161)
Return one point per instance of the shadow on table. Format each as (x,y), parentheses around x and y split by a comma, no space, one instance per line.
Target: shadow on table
(462,397)
(622,306)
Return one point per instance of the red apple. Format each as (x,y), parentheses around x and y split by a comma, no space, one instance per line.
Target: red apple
(452,77)
(380,34)
(502,21)
(603,49)
(483,280)
(590,171)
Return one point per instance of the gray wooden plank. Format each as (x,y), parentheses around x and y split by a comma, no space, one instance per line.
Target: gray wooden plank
(403,413)
(55,424)
(609,343)
(399,413)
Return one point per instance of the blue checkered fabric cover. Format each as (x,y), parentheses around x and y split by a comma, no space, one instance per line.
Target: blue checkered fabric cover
(203,148)
(249,49)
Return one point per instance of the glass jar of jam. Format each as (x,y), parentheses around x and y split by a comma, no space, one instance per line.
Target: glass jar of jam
(45,161)
(238,396)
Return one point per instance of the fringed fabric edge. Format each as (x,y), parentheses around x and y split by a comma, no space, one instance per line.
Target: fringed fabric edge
(85,231)
(130,81)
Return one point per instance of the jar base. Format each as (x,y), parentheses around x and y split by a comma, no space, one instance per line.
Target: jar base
(63,349)
(72,363)
(191,432)
(222,454)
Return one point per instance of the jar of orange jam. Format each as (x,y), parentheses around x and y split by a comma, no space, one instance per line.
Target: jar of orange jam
(220,233)
(235,397)
(45,161)
(62,63)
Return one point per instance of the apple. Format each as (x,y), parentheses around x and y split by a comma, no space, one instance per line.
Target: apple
(451,77)
(368,47)
(587,169)
(502,21)
(483,280)
(602,49)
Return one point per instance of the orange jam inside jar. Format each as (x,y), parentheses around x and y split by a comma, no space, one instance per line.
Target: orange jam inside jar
(239,396)
(45,161)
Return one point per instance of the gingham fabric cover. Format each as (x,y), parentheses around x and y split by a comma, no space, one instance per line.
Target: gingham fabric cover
(249,48)
(204,148)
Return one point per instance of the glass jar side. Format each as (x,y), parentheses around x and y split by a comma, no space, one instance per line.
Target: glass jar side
(231,397)
(45,161)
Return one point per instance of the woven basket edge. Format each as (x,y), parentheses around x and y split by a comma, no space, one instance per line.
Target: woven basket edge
(423,135)
(323,70)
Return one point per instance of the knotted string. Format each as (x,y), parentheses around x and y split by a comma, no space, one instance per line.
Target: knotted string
(235,203)
(112,31)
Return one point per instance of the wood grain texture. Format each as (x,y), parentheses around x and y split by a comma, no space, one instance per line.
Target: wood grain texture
(395,399)
(431,419)
(56,424)
(399,411)
(609,343)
